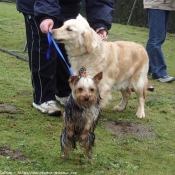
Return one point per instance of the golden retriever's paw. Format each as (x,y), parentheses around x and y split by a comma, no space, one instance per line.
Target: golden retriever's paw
(118,108)
(140,114)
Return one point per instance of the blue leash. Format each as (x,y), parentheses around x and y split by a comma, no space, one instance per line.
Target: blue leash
(51,40)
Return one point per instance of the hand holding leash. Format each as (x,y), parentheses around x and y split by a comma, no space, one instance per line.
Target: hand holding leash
(46,25)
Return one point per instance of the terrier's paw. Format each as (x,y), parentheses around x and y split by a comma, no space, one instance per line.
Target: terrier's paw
(83,136)
(89,154)
(70,134)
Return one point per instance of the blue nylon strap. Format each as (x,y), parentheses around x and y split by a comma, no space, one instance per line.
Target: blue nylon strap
(49,46)
(51,40)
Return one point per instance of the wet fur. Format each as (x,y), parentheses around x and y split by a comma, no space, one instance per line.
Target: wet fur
(81,115)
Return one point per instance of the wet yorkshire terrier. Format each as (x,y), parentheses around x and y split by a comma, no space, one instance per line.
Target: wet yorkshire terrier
(81,113)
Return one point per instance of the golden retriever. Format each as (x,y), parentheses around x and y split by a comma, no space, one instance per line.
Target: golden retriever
(124,64)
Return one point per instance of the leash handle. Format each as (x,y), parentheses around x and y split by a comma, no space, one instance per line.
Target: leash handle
(50,41)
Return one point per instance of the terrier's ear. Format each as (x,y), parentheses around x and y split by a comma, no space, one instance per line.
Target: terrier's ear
(72,80)
(98,77)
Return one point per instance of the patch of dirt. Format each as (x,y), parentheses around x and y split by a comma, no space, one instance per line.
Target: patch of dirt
(6,108)
(6,151)
(122,129)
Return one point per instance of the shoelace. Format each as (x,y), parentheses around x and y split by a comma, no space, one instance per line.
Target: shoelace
(50,104)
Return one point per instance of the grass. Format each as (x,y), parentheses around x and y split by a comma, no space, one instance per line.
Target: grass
(37,135)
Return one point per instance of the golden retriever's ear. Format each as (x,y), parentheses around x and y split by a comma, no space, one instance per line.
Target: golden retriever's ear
(89,40)
(82,19)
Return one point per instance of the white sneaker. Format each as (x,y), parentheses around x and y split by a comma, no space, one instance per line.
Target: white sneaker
(62,100)
(166,79)
(48,107)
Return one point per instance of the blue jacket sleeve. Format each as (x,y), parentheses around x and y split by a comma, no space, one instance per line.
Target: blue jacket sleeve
(47,8)
(57,9)
(99,13)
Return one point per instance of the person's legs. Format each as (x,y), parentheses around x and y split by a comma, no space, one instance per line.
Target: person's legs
(63,89)
(42,70)
(158,23)
(62,75)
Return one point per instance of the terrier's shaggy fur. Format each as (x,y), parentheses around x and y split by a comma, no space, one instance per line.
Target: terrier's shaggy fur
(81,113)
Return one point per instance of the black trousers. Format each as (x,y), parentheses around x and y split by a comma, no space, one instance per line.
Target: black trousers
(49,77)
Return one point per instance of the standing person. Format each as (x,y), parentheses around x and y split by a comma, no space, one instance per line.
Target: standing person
(158,12)
(50,77)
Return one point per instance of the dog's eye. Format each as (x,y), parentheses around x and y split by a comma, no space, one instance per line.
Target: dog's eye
(80,89)
(92,90)
(69,29)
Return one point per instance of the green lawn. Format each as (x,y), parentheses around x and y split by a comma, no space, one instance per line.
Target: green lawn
(31,139)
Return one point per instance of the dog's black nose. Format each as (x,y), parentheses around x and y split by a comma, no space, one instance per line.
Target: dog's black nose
(86,98)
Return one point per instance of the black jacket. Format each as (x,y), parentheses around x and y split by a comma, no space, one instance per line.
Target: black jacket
(99,12)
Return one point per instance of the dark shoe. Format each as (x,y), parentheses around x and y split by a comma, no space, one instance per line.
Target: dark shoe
(150,87)
(166,79)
